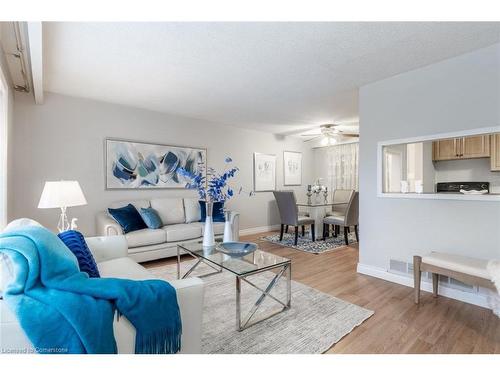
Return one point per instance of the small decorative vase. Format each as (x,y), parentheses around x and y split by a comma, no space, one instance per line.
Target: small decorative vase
(228,228)
(208,233)
(317,198)
(404,187)
(309,194)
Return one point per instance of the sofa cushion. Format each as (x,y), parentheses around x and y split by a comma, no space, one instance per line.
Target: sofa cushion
(123,268)
(458,263)
(218,228)
(181,232)
(171,210)
(192,210)
(145,237)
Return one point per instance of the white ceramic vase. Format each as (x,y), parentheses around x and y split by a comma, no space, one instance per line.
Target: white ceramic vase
(208,233)
(228,229)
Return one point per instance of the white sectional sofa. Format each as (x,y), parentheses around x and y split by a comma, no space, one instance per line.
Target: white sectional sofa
(180,217)
(111,257)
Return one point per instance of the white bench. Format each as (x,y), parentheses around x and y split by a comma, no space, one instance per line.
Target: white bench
(467,270)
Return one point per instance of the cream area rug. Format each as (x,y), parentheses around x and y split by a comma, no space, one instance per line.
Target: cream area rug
(314,323)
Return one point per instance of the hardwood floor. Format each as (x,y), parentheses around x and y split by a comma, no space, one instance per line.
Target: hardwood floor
(439,325)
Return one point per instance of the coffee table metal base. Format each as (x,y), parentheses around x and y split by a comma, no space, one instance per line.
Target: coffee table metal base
(244,323)
(198,261)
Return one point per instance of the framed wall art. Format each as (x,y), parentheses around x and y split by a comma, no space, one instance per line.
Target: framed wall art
(141,165)
(264,172)
(292,168)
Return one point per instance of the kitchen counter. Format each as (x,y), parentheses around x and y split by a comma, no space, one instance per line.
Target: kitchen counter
(443,196)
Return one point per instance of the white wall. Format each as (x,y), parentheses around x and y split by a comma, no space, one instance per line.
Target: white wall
(64,139)
(455,94)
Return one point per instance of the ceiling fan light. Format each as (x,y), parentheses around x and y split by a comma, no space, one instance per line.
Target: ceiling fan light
(328,141)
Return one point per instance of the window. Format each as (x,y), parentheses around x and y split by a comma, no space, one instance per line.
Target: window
(343,166)
(3,149)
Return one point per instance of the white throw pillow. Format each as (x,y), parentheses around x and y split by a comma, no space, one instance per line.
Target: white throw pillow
(6,267)
(6,272)
(171,210)
(23,222)
(192,210)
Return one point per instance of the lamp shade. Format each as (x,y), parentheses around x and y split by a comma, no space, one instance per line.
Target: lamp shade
(57,194)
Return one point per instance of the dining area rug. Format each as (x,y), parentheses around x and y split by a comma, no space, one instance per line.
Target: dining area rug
(307,245)
(314,323)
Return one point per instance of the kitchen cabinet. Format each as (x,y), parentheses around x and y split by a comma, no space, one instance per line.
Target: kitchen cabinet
(472,147)
(477,146)
(445,149)
(495,152)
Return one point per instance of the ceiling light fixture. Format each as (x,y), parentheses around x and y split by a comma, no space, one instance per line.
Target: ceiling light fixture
(328,141)
(329,134)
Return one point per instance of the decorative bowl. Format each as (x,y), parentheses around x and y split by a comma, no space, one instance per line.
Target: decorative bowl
(238,249)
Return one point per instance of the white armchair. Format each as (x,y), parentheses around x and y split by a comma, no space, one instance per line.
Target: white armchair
(111,257)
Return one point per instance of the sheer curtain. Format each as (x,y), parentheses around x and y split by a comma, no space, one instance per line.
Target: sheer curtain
(343,166)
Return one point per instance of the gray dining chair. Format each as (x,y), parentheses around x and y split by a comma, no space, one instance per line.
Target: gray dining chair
(289,214)
(341,198)
(350,218)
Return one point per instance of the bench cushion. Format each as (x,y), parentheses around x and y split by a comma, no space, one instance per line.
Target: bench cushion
(458,263)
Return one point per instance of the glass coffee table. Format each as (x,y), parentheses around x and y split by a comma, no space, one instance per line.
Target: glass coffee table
(242,267)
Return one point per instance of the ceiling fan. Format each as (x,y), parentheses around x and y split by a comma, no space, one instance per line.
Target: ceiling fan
(329,133)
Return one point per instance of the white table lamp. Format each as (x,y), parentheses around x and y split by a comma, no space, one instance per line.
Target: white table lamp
(62,194)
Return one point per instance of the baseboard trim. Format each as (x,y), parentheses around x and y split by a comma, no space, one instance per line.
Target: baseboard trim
(255,230)
(472,298)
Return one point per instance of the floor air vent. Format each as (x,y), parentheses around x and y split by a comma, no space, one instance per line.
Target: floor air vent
(405,268)
(398,266)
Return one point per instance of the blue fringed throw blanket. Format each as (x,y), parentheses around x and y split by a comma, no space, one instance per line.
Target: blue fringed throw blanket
(63,310)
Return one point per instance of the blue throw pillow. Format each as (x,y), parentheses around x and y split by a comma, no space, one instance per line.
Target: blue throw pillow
(76,243)
(217,212)
(128,217)
(151,218)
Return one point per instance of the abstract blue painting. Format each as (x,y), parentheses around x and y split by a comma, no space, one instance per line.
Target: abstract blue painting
(138,165)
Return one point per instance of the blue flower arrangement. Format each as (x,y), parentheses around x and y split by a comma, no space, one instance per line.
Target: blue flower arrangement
(217,188)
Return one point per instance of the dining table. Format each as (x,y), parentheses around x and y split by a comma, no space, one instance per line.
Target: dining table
(317,212)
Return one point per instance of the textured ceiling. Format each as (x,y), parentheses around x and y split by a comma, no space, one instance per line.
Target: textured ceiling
(277,77)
